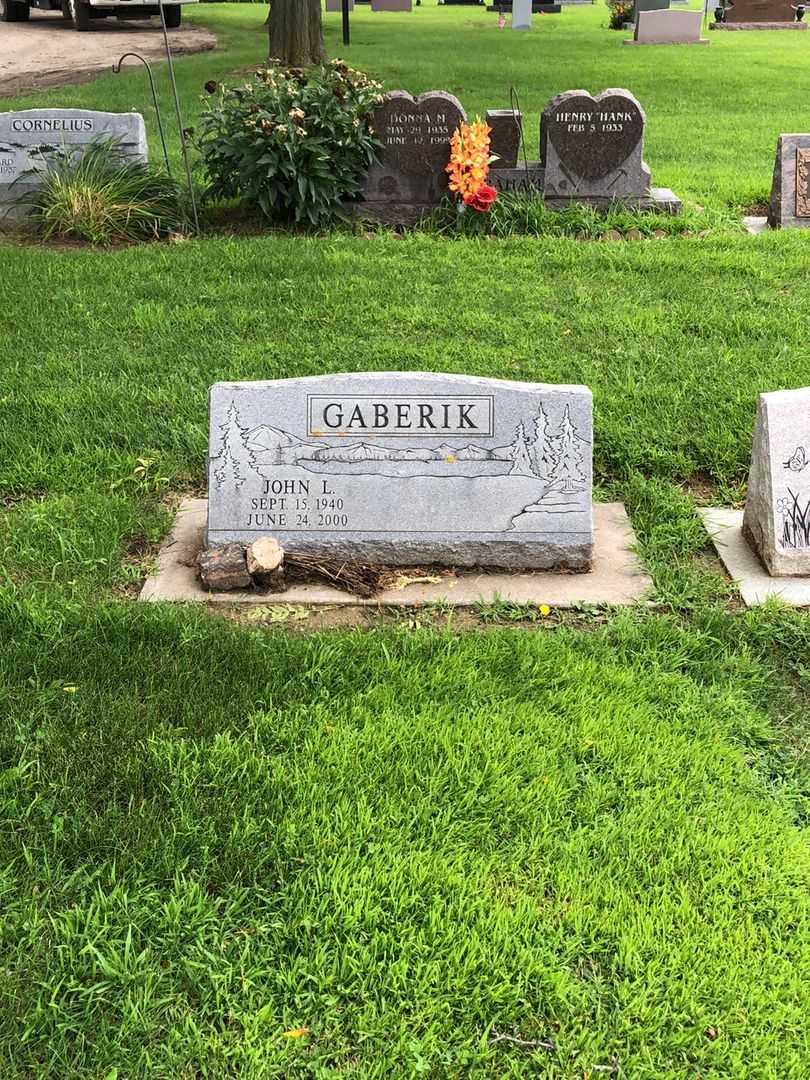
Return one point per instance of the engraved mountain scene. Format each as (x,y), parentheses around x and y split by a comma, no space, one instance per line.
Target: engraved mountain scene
(524,485)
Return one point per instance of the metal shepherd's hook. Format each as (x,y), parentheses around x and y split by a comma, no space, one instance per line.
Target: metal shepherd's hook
(117,71)
(514,105)
(183,143)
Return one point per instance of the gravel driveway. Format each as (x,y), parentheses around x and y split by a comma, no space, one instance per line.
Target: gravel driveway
(47,51)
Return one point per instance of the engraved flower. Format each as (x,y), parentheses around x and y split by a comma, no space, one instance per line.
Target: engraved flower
(781,506)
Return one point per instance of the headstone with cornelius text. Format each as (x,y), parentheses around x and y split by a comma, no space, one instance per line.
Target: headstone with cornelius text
(34,139)
(411,178)
(405,468)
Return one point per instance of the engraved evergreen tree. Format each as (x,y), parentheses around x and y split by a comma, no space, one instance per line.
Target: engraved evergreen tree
(235,458)
(569,472)
(543,450)
(519,453)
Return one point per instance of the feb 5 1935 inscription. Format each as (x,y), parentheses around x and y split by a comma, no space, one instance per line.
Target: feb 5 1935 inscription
(404,468)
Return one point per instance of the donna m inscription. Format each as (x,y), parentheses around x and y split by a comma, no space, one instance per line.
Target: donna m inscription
(405,468)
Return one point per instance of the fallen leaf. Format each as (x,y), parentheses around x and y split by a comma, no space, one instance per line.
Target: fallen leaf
(403,581)
(70,689)
(295,1033)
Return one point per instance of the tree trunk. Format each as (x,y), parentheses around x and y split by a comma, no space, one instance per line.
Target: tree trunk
(296,34)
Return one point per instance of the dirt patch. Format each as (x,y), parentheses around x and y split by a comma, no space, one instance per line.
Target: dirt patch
(47,51)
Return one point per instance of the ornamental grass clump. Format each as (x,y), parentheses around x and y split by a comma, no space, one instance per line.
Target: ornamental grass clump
(94,195)
(292,144)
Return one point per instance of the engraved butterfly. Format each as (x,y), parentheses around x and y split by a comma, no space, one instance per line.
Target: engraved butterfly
(798,460)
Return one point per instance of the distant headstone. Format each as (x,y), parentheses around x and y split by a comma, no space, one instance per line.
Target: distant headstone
(505,137)
(31,140)
(760,11)
(405,468)
(415,133)
(391,5)
(790,192)
(668,28)
(777,510)
(592,147)
(650,5)
(337,5)
(521,14)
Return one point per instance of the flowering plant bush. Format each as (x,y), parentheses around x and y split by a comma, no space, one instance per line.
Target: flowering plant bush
(469,165)
(291,143)
(621,12)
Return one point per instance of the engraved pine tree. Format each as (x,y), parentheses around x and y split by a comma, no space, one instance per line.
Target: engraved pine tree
(520,454)
(235,458)
(543,448)
(569,472)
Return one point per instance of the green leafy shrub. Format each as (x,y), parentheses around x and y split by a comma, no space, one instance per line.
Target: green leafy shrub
(291,143)
(95,195)
(621,12)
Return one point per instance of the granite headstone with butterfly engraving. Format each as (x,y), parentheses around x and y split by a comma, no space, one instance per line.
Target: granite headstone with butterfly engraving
(591,148)
(777,510)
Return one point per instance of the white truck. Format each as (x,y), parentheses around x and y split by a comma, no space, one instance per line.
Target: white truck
(81,12)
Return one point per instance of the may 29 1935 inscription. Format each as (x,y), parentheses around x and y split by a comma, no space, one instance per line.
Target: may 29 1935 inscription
(405,468)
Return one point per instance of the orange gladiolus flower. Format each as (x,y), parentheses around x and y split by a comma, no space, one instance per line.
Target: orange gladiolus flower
(469,158)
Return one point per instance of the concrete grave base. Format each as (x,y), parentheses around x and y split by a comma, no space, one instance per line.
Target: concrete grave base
(755,225)
(724,526)
(758,26)
(617,576)
(630,41)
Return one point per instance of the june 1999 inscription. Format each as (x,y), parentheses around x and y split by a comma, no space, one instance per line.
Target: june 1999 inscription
(404,468)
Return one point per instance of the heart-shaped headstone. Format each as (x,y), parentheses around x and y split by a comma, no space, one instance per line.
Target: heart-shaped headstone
(416,131)
(592,136)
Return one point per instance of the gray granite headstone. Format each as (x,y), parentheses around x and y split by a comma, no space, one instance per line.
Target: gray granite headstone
(668,27)
(505,136)
(415,133)
(405,468)
(777,509)
(592,147)
(521,14)
(650,5)
(32,139)
(790,192)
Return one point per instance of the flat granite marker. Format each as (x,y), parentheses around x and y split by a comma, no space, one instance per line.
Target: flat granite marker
(32,139)
(777,511)
(789,206)
(405,468)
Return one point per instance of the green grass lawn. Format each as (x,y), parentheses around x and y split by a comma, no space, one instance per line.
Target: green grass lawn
(565,848)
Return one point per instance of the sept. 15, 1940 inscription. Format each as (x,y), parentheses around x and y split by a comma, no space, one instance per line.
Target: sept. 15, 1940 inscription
(405,468)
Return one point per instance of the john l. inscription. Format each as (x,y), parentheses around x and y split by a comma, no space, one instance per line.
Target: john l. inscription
(405,468)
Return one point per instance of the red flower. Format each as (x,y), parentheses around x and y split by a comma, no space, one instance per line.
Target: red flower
(483,199)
